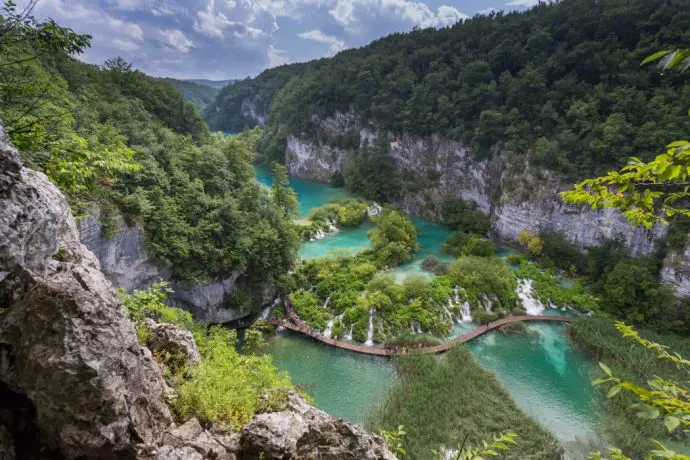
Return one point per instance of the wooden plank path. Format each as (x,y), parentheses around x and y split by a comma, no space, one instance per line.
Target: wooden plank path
(299,326)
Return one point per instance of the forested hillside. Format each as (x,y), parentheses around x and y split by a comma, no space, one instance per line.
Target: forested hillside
(199,95)
(562,80)
(114,139)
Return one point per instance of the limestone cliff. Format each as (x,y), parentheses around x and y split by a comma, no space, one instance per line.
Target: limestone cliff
(66,343)
(127,264)
(515,194)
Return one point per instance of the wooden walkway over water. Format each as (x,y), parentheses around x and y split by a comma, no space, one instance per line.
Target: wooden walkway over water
(295,324)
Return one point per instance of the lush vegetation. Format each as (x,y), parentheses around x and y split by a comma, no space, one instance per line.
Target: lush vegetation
(199,95)
(621,423)
(118,141)
(439,409)
(553,289)
(464,216)
(561,80)
(463,244)
(339,214)
(225,387)
(394,240)
(226,112)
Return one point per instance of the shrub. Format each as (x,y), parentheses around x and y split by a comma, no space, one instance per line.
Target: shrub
(462,244)
(483,276)
(464,216)
(530,242)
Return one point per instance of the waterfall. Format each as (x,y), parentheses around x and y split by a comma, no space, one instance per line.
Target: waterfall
(329,328)
(466,312)
(317,235)
(526,294)
(348,336)
(370,332)
(325,304)
(449,314)
(264,314)
(331,228)
(374,210)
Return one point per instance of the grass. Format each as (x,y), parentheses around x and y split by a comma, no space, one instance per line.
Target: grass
(439,401)
(600,339)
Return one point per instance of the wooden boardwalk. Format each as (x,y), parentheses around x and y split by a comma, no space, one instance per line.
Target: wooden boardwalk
(297,325)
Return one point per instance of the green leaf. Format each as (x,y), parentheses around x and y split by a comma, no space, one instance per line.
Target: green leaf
(655,57)
(613,391)
(671,422)
(605,368)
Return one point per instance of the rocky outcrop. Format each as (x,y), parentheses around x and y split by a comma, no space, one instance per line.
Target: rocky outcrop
(303,432)
(126,262)
(174,340)
(314,162)
(66,343)
(676,272)
(250,111)
(516,195)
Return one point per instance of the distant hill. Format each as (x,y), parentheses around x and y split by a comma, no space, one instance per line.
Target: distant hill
(200,95)
(212,83)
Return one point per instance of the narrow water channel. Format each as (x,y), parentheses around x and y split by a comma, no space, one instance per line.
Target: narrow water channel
(548,378)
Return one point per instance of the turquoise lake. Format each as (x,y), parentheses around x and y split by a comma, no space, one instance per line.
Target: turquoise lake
(548,378)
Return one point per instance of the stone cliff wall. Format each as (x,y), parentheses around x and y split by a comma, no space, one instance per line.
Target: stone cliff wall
(515,195)
(127,264)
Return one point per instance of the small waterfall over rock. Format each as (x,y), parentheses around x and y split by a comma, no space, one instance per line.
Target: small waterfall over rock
(374,210)
(370,332)
(318,235)
(329,329)
(455,303)
(348,336)
(266,312)
(525,293)
(466,312)
(331,226)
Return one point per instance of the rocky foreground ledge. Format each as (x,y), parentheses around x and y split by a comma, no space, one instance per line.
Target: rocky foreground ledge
(74,380)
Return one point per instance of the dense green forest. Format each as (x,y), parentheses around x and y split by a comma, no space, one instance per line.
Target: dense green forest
(117,140)
(199,95)
(561,80)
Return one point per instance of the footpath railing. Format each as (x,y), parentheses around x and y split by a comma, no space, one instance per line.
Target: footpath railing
(295,324)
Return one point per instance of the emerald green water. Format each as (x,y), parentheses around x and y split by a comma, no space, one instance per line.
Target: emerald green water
(310,194)
(546,376)
(345,384)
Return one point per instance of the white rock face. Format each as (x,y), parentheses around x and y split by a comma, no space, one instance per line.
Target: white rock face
(314,162)
(127,264)
(514,194)
(676,272)
(249,110)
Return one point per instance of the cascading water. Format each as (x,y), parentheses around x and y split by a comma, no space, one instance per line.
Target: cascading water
(331,227)
(329,329)
(264,314)
(525,293)
(374,210)
(466,312)
(370,332)
(318,235)
(348,336)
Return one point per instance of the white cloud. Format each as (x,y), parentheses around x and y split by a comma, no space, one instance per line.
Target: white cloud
(175,40)
(210,22)
(316,35)
(522,3)
(276,57)
(354,15)
(125,45)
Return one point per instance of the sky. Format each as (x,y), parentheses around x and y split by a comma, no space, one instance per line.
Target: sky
(230,39)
